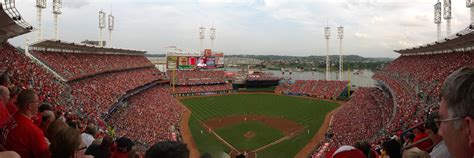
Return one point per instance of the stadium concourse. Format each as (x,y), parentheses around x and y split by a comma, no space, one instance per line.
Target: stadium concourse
(408,90)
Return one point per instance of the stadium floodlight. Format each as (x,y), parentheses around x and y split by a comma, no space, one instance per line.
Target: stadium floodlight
(447,15)
(340,36)
(57,5)
(111,28)
(470,4)
(213,36)
(437,18)
(40,5)
(201,35)
(327,34)
(101,25)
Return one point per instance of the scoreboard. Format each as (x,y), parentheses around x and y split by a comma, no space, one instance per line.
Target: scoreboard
(187,61)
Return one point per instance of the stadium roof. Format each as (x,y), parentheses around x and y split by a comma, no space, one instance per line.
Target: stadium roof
(58,45)
(461,41)
(12,24)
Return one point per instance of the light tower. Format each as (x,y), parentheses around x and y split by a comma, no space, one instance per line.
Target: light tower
(57,5)
(437,18)
(40,5)
(213,36)
(111,28)
(201,34)
(340,35)
(470,4)
(447,15)
(327,33)
(101,26)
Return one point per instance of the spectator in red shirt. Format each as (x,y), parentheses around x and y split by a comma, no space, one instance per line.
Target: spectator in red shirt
(38,119)
(123,149)
(12,104)
(4,98)
(419,135)
(22,136)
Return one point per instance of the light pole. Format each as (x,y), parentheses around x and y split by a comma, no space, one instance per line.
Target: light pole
(57,5)
(340,36)
(437,18)
(327,34)
(101,26)
(40,5)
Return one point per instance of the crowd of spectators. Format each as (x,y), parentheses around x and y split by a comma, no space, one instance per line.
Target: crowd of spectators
(313,88)
(203,88)
(361,118)
(406,103)
(39,116)
(428,71)
(149,116)
(415,84)
(196,77)
(25,74)
(76,65)
(95,95)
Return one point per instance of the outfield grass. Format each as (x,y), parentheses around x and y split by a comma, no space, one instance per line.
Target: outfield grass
(307,112)
(264,134)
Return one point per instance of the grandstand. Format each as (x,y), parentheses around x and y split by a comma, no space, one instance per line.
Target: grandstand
(89,84)
(122,93)
(408,89)
(313,88)
(96,84)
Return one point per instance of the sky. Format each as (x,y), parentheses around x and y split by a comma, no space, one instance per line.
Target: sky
(372,28)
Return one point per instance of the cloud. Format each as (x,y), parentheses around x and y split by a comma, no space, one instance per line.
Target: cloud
(295,27)
(75,4)
(361,35)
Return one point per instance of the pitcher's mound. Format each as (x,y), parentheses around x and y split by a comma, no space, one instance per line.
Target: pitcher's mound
(249,134)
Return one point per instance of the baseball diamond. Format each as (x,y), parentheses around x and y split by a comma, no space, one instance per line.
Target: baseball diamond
(259,125)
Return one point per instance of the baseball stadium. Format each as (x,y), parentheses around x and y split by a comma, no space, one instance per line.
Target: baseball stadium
(64,98)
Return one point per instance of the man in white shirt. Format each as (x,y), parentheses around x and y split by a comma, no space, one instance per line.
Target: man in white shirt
(456,113)
(89,135)
(439,150)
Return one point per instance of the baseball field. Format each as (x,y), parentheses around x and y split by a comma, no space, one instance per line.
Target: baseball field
(260,125)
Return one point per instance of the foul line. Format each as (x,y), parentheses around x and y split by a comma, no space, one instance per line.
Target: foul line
(221,139)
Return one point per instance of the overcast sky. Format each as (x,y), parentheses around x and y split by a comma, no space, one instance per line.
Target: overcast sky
(373,28)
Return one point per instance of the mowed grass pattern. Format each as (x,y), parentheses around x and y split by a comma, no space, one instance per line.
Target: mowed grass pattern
(307,112)
(235,135)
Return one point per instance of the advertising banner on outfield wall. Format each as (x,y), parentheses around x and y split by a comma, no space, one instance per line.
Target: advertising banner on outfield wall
(185,67)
